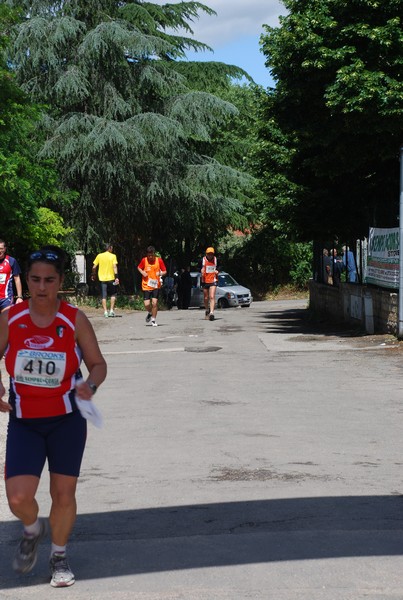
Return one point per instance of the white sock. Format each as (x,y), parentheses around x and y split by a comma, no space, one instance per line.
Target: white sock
(33,529)
(55,549)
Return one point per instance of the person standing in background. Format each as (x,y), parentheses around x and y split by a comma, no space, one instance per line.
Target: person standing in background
(9,272)
(327,267)
(337,267)
(151,268)
(107,265)
(186,287)
(349,264)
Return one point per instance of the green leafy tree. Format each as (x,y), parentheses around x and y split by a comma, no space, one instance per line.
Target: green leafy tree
(264,255)
(27,185)
(333,125)
(125,128)
(257,251)
(243,248)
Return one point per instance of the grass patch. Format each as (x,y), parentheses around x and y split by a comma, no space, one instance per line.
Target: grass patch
(122,302)
(287,292)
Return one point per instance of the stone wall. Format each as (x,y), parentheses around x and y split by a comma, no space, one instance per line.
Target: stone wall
(373,309)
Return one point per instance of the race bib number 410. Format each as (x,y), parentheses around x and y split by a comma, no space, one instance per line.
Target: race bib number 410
(40,368)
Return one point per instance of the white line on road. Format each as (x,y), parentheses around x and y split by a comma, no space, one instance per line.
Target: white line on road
(146,351)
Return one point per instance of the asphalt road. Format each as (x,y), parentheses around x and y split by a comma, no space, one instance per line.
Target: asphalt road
(251,457)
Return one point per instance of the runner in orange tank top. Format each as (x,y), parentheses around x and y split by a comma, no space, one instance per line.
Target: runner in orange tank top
(209,277)
(151,268)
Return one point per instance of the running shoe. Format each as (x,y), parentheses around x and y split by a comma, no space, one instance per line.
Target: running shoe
(106,314)
(206,314)
(211,317)
(111,313)
(62,575)
(27,551)
(154,323)
(148,317)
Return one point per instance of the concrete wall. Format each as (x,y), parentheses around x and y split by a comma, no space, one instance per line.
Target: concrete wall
(373,309)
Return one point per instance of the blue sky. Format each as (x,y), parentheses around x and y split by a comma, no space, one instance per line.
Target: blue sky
(243,52)
(234,33)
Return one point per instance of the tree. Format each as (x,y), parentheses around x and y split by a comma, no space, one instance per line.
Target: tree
(333,124)
(259,252)
(124,126)
(28,186)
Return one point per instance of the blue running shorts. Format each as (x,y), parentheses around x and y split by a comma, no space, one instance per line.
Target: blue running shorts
(61,440)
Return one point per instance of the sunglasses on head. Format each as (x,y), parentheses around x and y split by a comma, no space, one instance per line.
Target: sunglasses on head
(52,256)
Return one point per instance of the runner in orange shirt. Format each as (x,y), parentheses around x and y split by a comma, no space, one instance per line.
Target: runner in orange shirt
(209,277)
(151,268)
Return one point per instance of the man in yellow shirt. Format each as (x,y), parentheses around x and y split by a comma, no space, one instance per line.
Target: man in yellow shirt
(107,265)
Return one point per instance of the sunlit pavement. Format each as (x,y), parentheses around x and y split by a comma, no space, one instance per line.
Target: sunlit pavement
(250,457)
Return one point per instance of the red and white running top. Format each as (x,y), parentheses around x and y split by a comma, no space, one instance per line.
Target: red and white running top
(42,363)
(9,268)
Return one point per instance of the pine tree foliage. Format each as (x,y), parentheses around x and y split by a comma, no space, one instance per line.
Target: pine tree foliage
(124,125)
(213,77)
(199,113)
(154,21)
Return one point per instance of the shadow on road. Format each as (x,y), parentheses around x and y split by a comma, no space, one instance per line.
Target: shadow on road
(223,534)
(301,321)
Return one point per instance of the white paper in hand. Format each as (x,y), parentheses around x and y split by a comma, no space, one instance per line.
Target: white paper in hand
(88,410)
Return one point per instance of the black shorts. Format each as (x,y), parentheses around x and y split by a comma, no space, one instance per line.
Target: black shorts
(108,289)
(206,286)
(60,440)
(148,294)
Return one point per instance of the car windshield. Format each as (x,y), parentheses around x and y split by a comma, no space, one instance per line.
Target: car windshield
(225,280)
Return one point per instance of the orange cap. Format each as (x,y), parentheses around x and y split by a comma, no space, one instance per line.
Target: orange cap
(210,250)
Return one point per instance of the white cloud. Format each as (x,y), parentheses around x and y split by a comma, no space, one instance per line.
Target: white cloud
(234,19)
